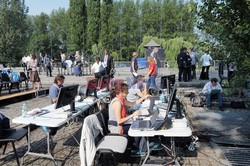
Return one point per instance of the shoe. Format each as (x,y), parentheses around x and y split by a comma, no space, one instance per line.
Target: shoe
(138,153)
(155,146)
(208,108)
(221,108)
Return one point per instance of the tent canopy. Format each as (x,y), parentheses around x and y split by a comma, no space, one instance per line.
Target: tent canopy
(152,43)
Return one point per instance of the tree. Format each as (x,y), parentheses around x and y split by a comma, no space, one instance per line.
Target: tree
(13,28)
(58,26)
(227,23)
(107,24)
(77,25)
(93,25)
(40,39)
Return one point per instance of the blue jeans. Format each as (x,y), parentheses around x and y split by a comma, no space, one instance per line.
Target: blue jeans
(209,97)
(134,80)
(150,80)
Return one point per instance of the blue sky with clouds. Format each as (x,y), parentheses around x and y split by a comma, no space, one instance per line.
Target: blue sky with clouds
(46,6)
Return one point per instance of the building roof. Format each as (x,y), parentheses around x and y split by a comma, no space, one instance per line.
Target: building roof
(152,43)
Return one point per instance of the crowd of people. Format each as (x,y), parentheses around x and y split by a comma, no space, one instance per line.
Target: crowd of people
(187,61)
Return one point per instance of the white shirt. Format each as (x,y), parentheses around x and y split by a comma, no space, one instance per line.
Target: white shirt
(97,67)
(209,87)
(105,61)
(205,60)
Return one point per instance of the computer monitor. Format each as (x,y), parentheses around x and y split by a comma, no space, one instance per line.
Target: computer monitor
(167,82)
(67,96)
(91,87)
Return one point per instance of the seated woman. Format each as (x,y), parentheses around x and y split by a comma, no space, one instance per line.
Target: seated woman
(136,92)
(118,113)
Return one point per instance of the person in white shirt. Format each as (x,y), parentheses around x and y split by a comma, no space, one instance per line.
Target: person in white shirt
(212,90)
(194,60)
(98,68)
(206,63)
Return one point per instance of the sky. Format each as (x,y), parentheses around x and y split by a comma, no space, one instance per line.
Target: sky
(38,6)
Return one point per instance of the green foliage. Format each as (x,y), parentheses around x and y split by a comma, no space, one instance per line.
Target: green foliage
(227,24)
(115,56)
(13,30)
(77,25)
(40,39)
(94,21)
(107,24)
(58,25)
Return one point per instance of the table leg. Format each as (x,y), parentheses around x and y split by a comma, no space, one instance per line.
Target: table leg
(48,155)
(148,152)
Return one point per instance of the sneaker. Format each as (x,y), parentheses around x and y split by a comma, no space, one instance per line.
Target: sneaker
(221,108)
(138,153)
(155,146)
(208,108)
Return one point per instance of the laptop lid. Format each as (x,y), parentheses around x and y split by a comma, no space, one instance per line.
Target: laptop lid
(154,117)
(152,104)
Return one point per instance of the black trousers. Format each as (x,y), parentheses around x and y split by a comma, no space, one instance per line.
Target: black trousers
(204,74)
(181,73)
(187,74)
(48,71)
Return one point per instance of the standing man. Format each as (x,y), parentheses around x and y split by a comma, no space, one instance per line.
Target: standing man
(181,63)
(194,59)
(134,67)
(47,62)
(206,63)
(108,63)
(187,70)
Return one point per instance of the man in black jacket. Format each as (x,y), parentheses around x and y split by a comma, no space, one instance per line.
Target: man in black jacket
(108,63)
(181,59)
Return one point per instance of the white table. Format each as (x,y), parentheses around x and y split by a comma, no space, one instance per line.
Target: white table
(179,128)
(49,120)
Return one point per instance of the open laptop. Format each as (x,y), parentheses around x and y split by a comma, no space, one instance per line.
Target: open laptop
(215,91)
(146,124)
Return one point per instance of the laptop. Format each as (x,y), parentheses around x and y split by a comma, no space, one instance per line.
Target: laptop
(215,91)
(146,124)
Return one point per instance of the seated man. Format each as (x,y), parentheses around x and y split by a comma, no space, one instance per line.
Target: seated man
(53,94)
(212,90)
(136,92)
(55,88)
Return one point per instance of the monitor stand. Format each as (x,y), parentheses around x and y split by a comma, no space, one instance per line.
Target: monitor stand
(72,107)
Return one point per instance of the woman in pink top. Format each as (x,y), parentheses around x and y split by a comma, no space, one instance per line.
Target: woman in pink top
(34,77)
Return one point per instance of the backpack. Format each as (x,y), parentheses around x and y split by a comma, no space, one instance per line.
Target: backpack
(15,77)
(197,101)
(4,124)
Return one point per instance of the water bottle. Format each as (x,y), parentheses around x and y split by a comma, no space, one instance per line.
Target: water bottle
(163,98)
(24,110)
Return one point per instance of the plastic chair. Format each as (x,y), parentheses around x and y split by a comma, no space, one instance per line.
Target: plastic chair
(11,136)
(24,78)
(107,143)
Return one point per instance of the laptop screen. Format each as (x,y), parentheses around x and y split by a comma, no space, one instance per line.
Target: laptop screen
(171,100)
(152,103)
(154,117)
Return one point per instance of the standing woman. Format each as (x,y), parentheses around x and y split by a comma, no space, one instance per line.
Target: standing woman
(34,77)
(151,73)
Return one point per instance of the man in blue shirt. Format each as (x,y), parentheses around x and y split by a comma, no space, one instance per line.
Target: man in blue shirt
(55,88)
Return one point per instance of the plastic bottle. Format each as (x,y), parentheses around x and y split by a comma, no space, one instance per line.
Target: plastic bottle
(24,110)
